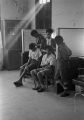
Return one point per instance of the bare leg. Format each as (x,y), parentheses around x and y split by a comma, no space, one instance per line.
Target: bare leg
(36,80)
(34,76)
(40,77)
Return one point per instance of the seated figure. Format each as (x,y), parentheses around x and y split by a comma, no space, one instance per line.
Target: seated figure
(34,55)
(46,68)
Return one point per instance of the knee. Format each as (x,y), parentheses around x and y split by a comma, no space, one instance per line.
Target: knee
(33,72)
(39,74)
(21,70)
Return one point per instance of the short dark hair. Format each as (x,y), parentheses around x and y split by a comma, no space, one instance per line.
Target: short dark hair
(59,38)
(49,30)
(33,32)
(32,46)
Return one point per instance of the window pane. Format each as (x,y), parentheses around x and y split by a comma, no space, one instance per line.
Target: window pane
(44,1)
(40,1)
(48,0)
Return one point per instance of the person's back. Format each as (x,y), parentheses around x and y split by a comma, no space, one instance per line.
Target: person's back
(63,52)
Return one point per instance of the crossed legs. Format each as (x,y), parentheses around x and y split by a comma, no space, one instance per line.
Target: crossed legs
(23,71)
(38,76)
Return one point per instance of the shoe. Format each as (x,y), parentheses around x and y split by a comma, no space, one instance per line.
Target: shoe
(64,94)
(41,90)
(18,84)
(36,88)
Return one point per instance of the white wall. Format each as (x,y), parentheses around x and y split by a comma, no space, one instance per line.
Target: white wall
(17,9)
(31,6)
(14,10)
(67,13)
(70,14)
(74,38)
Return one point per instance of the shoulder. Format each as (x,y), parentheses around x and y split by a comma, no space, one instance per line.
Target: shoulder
(66,47)
(42,37)
(53,41)
(30,51)
(38,50)
(62,46)
(52,56)
(45,55)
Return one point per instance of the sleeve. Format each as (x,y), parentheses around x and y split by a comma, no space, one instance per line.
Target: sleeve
(69,52)
(43,62)
(52,60)
(39,53)
(29,53)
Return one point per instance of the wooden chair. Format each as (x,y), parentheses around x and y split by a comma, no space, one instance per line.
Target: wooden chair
(79,82)
(79,86)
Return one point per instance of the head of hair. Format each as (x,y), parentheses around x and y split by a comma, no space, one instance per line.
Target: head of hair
(49,30)
(58,39)
(34,33)
(50,49)
(32,46)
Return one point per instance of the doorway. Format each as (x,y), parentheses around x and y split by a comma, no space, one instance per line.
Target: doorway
(43,17)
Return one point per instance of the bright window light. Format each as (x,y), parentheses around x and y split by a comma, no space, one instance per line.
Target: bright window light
(43,1)
(40,1)
(47,0)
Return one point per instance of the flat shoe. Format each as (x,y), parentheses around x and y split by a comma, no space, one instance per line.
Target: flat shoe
(17,84)
(36,88)
(64,94)
(41,90)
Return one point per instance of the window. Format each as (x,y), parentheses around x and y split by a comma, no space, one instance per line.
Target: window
(43,1)
(44,16)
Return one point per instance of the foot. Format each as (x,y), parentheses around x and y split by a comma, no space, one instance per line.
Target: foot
(41,90)
(36,88)
(18,84)
(64,94)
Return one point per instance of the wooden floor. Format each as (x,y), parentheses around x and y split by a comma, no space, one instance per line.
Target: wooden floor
(26,104)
